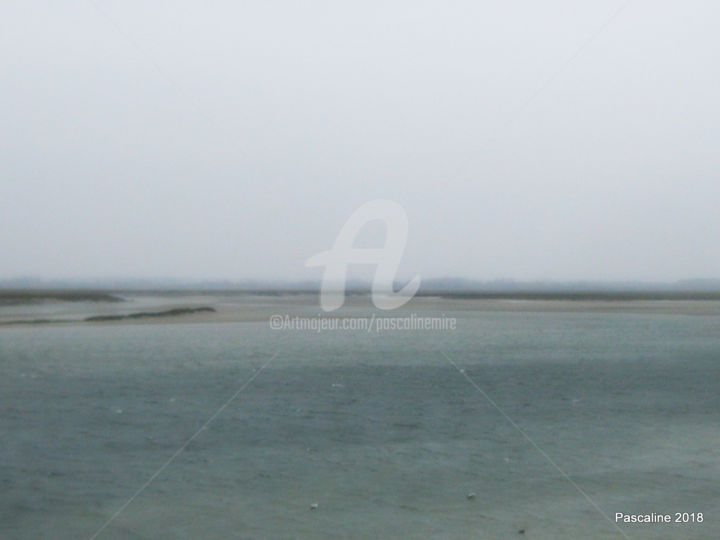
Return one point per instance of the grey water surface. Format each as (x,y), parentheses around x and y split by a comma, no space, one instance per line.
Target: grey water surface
(380,430)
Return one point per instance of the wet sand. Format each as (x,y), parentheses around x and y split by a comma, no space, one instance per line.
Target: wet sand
(224,308)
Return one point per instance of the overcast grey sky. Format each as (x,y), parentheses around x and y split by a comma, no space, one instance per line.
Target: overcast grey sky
(233,139)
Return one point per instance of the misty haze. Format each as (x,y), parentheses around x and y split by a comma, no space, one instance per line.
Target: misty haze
(315,270)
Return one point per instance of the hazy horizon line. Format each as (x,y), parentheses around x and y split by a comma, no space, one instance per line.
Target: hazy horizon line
(453,282)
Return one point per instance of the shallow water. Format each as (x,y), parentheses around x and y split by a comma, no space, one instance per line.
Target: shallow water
(380,430)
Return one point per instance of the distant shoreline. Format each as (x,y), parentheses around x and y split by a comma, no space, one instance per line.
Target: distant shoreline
(607,296)
(13,297)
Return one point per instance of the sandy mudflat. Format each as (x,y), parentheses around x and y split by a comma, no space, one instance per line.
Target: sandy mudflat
(250,308)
